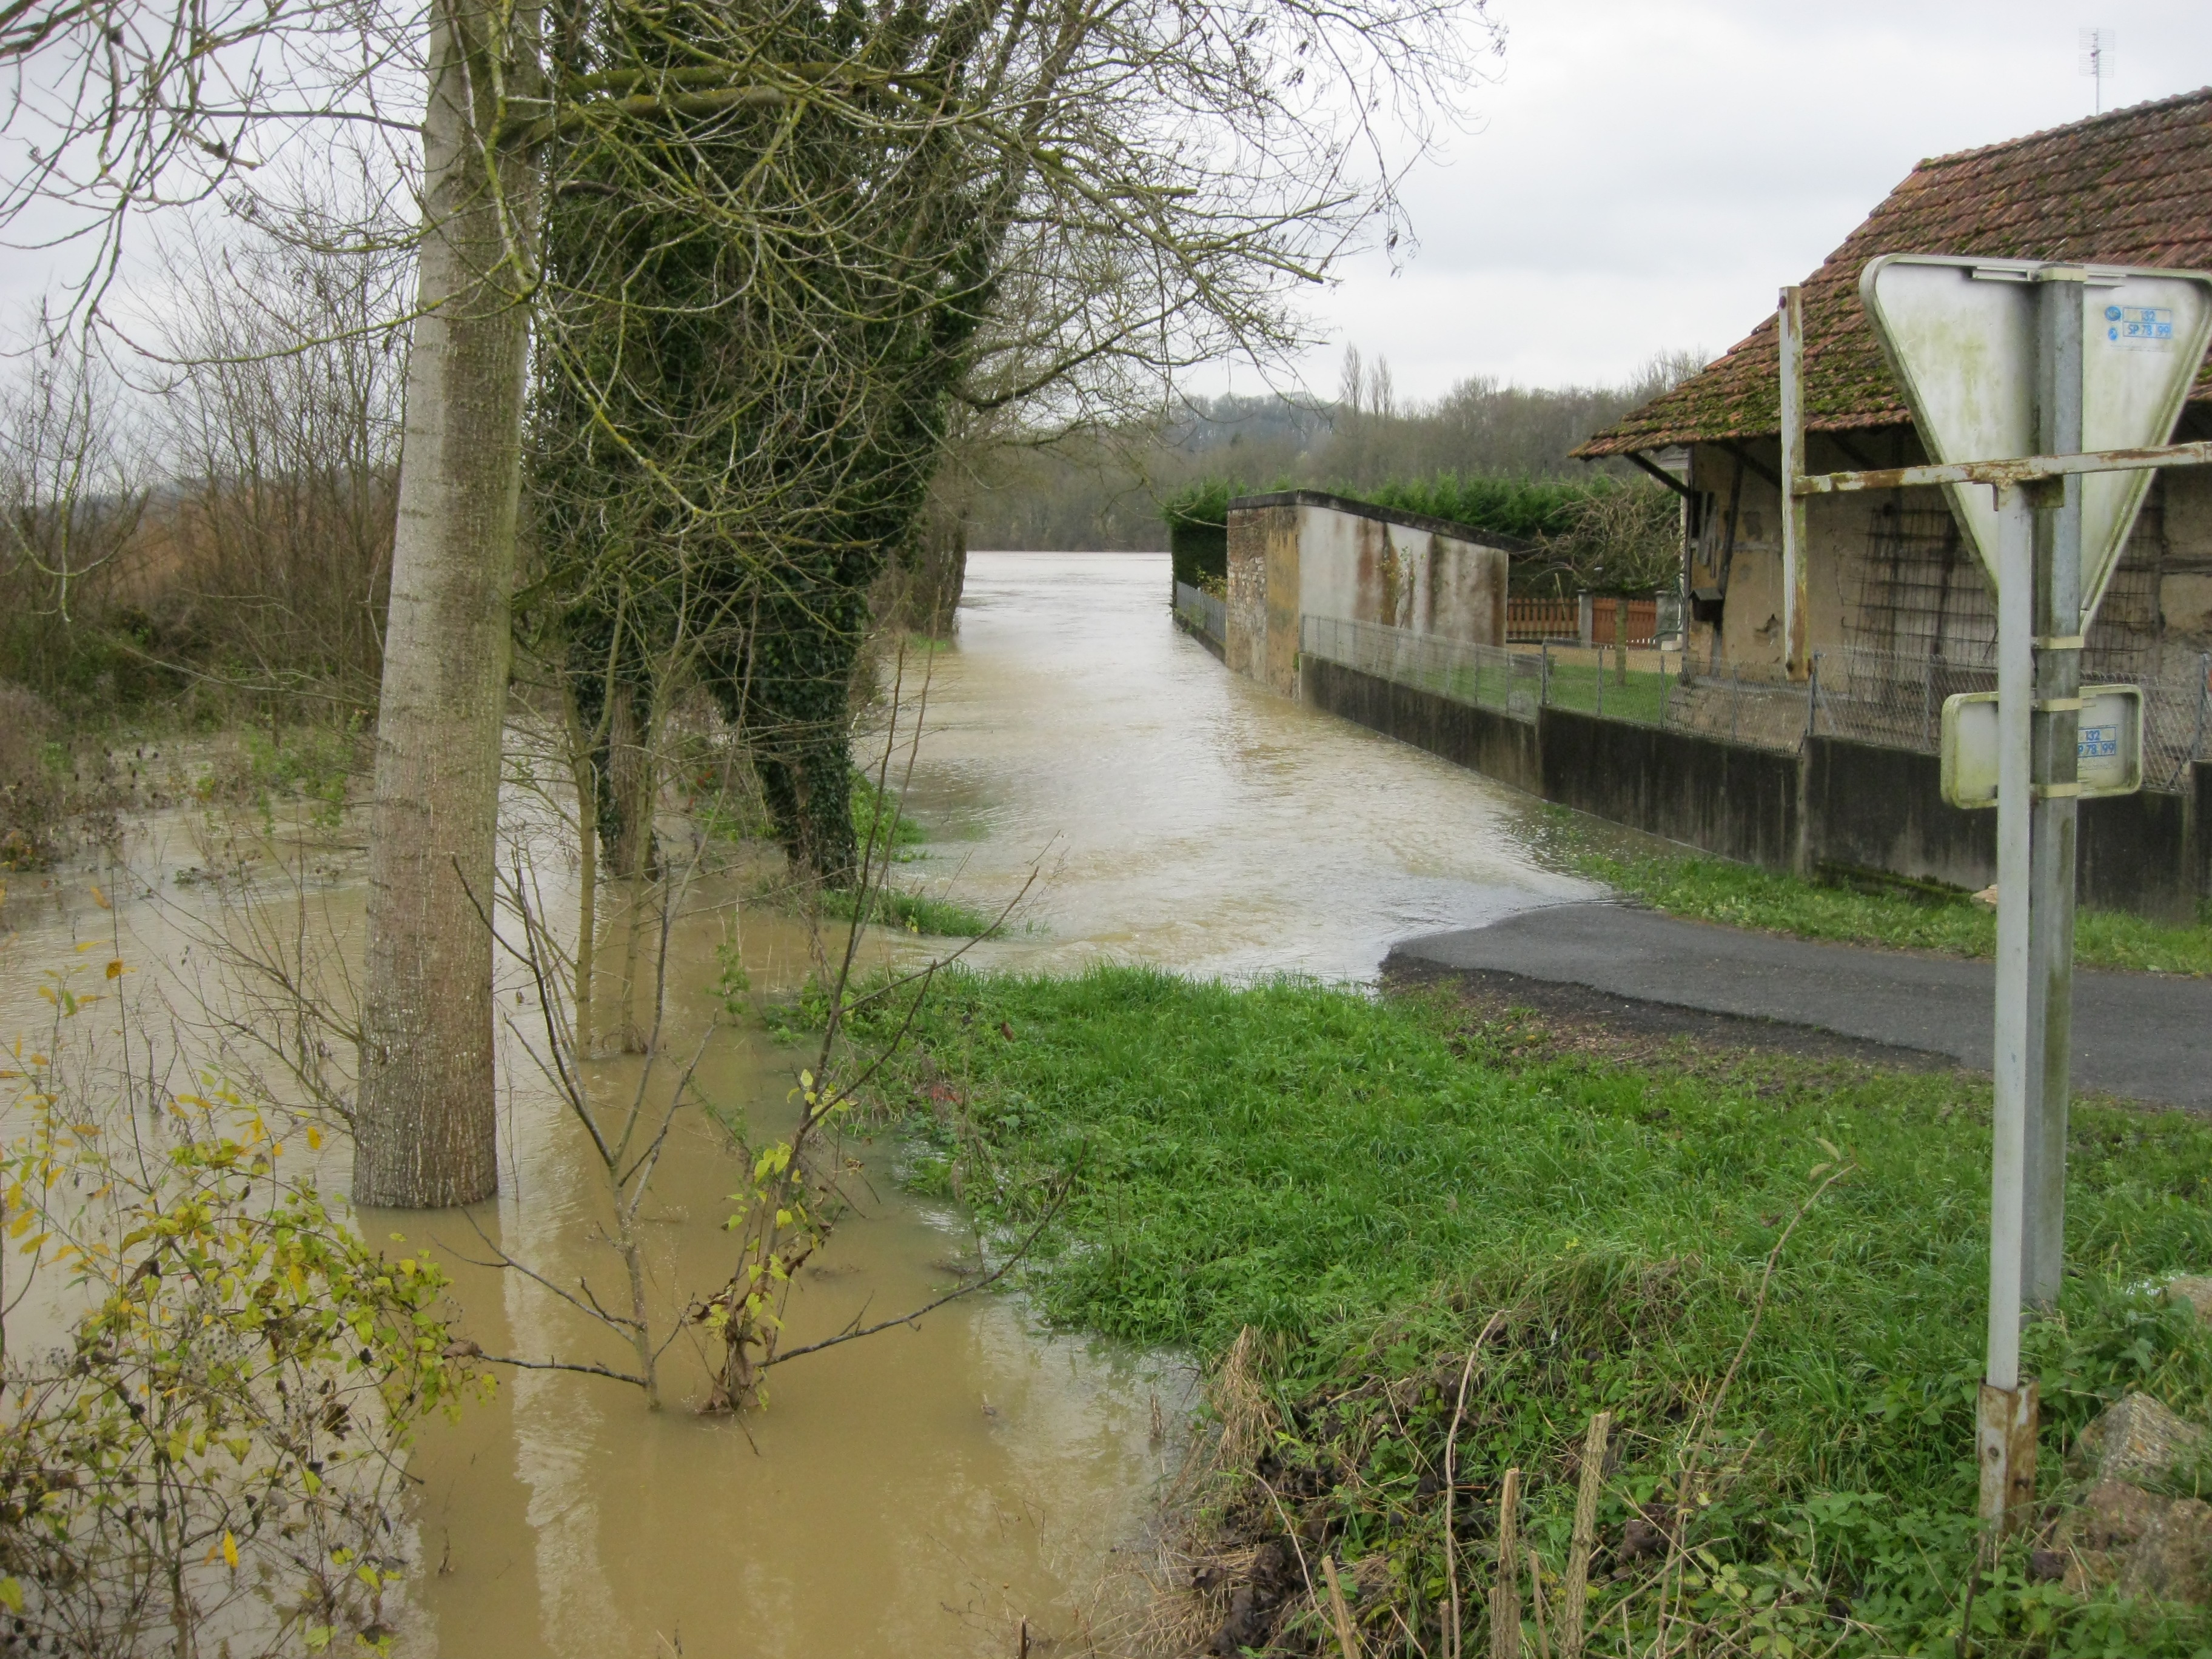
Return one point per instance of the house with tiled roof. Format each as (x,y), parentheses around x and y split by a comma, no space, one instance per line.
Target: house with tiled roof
(1888,574)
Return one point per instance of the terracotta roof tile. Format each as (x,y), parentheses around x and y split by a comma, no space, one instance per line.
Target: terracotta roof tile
(2133,188)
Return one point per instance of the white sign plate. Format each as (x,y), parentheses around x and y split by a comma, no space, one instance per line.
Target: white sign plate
(1961,334)
(2108,748)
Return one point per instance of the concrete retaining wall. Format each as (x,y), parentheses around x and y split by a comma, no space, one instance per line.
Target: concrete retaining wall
(1881,809)
(1496,745)
(1834,802)
(1727,797)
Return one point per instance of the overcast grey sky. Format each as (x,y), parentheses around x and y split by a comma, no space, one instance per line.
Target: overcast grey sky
(1645,176)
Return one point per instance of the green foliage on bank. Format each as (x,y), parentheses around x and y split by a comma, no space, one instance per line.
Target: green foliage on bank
(1529,509)
(1854,909)
(881,828)
(1365,1183)
(907,912)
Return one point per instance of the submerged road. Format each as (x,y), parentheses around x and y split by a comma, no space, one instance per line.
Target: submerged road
(2144,1037)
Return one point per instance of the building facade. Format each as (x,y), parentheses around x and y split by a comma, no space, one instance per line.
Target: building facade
(1892,587)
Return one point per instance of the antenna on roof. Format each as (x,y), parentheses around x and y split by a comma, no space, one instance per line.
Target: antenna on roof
(2099,48)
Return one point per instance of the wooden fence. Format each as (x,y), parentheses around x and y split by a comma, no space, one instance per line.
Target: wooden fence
(1531,620)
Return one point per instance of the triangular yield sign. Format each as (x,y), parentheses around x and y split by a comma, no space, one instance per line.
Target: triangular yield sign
(1961,334)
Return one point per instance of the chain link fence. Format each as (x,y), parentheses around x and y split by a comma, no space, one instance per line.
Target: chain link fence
(1891,699)
(1486,676)
(1646,686)
(1203,613)
(1896,700)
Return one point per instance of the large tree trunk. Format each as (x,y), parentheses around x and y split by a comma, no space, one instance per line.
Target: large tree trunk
(424,1124)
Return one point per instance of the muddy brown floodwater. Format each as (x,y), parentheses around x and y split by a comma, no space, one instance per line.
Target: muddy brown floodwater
(927,1491)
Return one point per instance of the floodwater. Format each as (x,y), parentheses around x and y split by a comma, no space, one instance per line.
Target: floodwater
(1180,815)
(938,1489)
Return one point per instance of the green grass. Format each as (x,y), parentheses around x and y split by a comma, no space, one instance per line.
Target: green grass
(1365,1183)
(1741,896)
(880,823)
(1591,689)
(914,912)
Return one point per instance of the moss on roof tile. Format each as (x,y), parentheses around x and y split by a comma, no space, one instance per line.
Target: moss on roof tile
(2131,188)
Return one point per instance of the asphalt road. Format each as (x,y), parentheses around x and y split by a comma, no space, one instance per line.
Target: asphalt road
(2145,1036)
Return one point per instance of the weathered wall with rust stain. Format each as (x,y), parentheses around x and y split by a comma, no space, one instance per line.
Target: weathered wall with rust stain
(1370,570)
(1263,563)
(1292,558)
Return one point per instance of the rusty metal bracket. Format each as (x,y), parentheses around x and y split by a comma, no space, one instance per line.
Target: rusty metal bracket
(2004,1446)
(2026,470)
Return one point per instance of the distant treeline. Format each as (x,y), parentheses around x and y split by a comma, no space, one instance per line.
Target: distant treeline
(1485,453)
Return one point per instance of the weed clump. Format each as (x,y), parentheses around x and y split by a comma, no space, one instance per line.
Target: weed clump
(30,787)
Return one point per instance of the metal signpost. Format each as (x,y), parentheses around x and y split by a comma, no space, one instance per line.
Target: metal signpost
(2045,394)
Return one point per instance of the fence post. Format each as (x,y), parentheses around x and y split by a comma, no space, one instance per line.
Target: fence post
(1600,683)
(2203,704)
(1544,678)
(1735,697)
(1813,697)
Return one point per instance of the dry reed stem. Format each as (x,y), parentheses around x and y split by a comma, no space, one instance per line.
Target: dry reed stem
(1248,1418)
(1505,1594)
(1585,1536)
(1708,1411)
(1345,1638)
(1451,1486)
(1536,1603)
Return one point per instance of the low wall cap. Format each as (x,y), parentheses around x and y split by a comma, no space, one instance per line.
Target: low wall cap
(1398,515)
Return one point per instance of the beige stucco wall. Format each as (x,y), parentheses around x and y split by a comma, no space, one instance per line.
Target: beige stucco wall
(1366,570)
(1292,560)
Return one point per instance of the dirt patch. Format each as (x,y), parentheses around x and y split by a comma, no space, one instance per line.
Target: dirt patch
(1541,1018)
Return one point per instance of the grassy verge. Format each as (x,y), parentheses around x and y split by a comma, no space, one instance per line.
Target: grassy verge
(914,913)
(1365,1184)
(1593,689)
(1740,895)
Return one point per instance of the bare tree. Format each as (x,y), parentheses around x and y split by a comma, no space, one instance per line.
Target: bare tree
(280,427)
(72,496)
(1154,179)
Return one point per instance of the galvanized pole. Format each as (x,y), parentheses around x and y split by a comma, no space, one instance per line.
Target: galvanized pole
(2005,1419)
(1790,325)
(2053,781)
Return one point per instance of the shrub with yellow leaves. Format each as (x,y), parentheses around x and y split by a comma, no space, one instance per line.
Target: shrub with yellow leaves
(209,1454)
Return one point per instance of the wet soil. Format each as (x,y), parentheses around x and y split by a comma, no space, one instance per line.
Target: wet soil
(1556,1016)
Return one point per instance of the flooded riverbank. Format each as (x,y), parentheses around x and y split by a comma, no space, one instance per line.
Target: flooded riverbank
(930,1489)
(1180,815)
